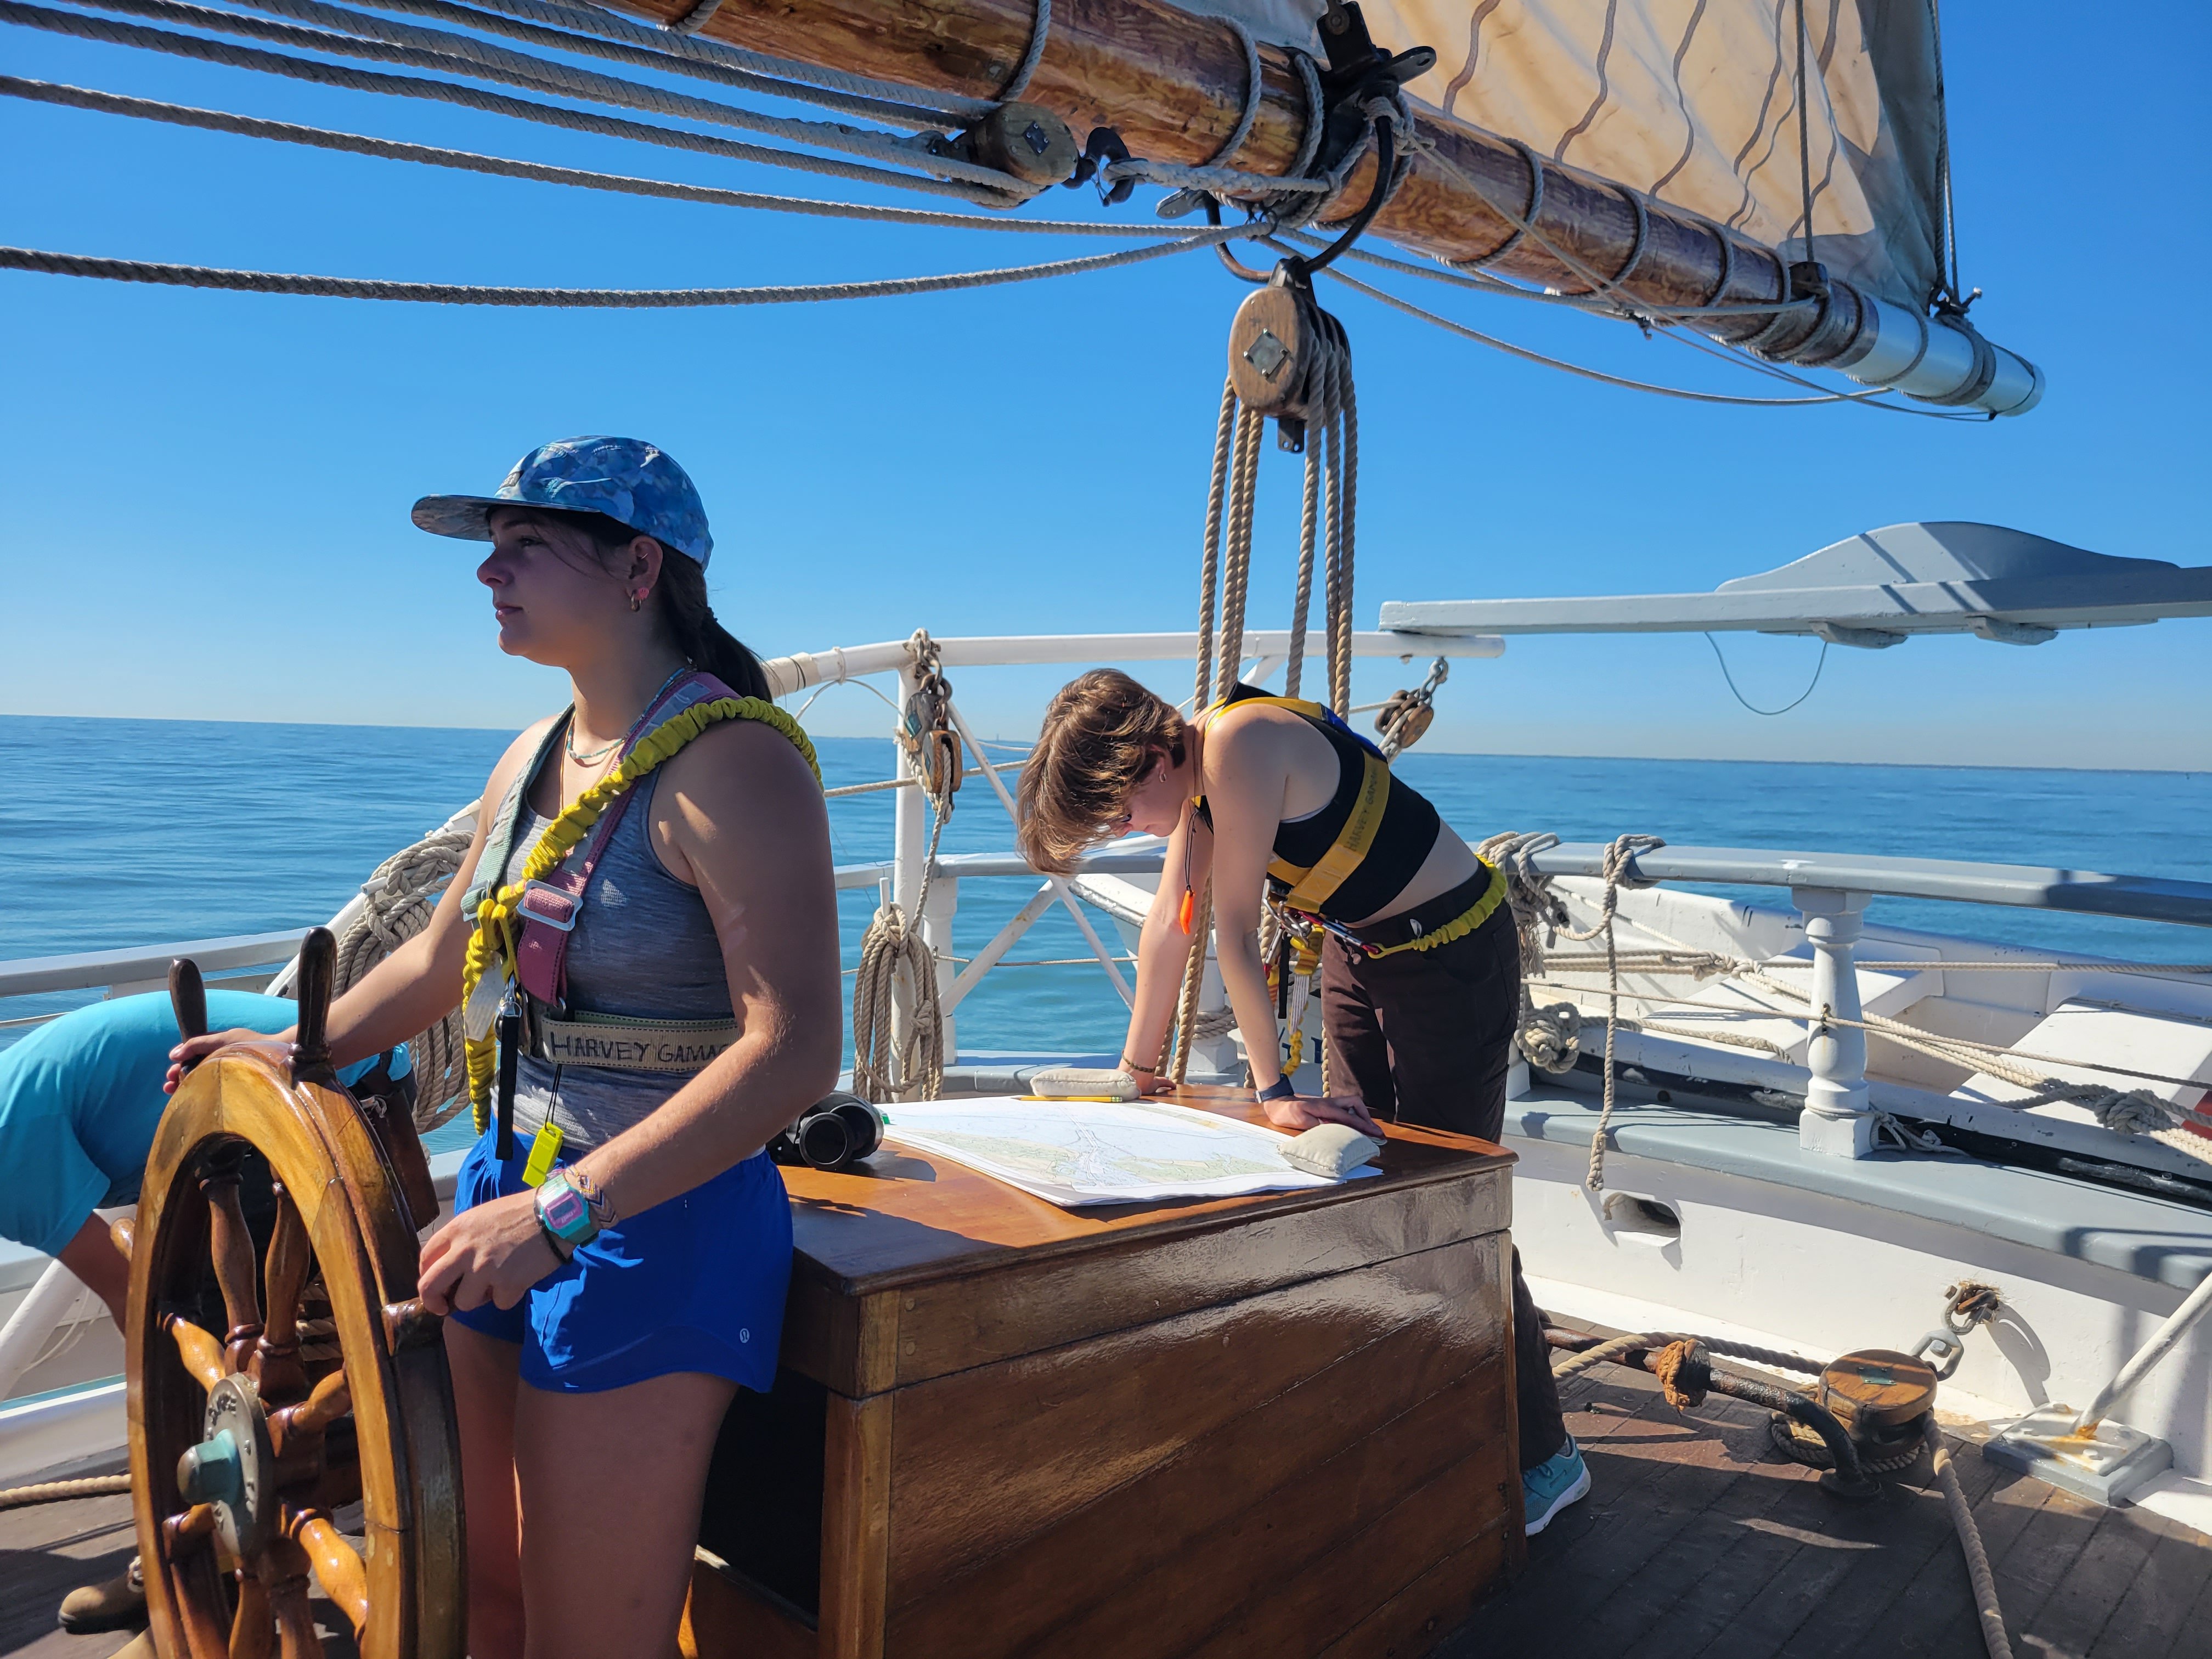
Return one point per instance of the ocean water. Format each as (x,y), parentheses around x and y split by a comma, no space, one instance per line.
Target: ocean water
(120,833)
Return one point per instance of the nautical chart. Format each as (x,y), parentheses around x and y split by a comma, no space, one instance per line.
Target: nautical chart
(1073,1153)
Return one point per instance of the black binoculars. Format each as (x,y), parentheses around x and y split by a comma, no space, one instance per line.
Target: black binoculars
(834,1132)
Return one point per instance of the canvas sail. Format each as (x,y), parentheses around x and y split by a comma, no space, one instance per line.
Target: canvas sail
(1695,103)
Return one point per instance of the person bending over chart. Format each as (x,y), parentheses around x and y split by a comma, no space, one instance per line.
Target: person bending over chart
(1421,970)
(80,1100)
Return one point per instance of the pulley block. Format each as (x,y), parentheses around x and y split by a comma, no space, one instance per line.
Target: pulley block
(1279,343)
(1027,142)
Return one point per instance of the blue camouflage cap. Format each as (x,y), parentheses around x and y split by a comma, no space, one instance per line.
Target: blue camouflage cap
(628,480)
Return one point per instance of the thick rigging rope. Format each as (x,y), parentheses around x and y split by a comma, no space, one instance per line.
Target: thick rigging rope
(1328,409)
(249,126)
(614,40)
(356,287)
(397,902)
(114,31)
(385,40)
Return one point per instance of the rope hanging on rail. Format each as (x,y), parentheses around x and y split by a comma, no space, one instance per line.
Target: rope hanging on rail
(894,945)
(397,901)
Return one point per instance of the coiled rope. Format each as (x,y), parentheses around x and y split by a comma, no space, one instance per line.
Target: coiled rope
(894,943)
(398,901)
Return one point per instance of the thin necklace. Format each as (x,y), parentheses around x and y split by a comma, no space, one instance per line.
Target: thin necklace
(600,754)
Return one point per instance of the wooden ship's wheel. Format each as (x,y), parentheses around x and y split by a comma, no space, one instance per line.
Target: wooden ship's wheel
(322,1412)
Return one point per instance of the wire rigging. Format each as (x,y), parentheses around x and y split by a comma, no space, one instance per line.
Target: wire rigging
(331,29)
(1754,707)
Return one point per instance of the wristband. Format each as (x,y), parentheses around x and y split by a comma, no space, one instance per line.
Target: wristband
(564,1215)
(1136,1066)
(562,1252)
(594,1196)
(1281,1089)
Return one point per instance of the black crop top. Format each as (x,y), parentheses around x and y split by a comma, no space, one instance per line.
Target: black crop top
(1402,840)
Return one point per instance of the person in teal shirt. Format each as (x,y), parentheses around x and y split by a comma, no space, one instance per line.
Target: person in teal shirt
(80,1099)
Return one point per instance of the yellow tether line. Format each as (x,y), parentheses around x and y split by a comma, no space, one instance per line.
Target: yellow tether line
(492,945)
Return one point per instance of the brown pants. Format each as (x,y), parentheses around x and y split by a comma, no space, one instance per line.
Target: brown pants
(1426,1037)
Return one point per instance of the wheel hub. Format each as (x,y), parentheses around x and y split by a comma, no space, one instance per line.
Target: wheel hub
(233,1469)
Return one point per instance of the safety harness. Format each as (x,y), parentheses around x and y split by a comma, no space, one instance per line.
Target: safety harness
(1306,888)
(515,973)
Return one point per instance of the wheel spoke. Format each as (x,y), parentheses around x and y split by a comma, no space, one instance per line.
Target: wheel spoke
(201,1352)
(187,1533)
(296,1620)
(275,1363)
(232,1247)
(254,1630)
(337,1564)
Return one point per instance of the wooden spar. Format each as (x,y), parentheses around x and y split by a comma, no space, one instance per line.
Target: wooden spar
(1173,85)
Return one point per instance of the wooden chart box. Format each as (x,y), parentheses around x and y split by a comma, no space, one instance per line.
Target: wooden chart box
(1280,1425)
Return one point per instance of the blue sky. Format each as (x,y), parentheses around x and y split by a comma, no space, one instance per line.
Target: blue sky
(207,515)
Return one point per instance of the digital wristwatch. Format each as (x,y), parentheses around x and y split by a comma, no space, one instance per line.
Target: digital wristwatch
(564,1215)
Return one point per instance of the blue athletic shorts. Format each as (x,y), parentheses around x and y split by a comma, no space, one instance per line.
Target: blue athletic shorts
(696,1284)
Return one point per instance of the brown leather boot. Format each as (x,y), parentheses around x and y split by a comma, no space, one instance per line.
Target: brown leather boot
(119,1604)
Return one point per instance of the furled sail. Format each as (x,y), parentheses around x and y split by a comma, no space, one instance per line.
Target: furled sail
(1695,103)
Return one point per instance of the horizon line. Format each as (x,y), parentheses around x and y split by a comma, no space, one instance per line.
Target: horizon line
(1471,754)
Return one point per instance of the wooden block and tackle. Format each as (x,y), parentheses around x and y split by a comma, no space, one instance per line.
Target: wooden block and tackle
(1280,1423)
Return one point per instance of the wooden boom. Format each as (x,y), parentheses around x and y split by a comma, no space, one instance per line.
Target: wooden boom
(1173,85)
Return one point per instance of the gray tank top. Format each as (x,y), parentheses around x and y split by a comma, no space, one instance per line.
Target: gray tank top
(643,946)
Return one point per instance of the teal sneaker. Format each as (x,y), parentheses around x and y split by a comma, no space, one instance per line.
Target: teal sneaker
(1553,1484)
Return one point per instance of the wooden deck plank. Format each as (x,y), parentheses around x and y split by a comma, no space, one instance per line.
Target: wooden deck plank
(2076,1613)
(1703,1492)
(47,1551)
(2048,1551)
(1834,1536)
(2144,1623)
(1862,1598)
(1709,1571)
(1937,1606)
(2192,1635)
(1595,1544)
(1692,1544)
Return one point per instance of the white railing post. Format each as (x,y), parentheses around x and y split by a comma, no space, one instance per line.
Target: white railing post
(936,935)
(1839,1115)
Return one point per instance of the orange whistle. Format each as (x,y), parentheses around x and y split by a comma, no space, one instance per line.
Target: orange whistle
(1183,914)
